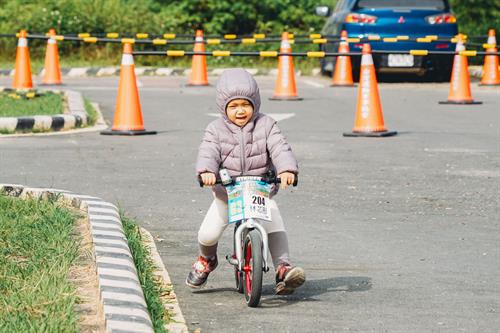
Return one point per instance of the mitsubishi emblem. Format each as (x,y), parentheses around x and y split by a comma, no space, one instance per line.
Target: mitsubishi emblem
(401,19)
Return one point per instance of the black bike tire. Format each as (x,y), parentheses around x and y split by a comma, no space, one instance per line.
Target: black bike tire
(238,276)
(253,298)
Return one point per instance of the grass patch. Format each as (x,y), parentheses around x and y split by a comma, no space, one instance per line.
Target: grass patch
(37,249)
(145,268)
(29,103)
(6,131)
(91,112)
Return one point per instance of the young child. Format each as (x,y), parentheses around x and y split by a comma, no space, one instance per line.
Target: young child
(246,142)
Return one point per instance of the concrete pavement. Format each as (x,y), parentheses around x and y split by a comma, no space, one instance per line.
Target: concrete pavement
(397,234)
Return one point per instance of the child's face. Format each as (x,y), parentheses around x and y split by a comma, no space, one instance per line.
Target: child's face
(239,111)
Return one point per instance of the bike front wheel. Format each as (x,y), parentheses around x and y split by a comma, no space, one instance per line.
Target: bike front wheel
(238,275)
(252,268)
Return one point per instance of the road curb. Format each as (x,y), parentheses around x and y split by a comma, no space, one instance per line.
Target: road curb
(178,324)
(100,125)
(121,295)
(77,117)
(474,71)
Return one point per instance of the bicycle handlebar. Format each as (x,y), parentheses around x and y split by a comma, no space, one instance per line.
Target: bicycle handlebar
(269,180)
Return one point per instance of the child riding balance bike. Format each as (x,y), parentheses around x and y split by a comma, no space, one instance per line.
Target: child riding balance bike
(244,142)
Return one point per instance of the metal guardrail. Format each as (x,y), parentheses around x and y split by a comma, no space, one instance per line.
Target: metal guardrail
(144,39)
(226,53)
(312,54)
(228,37)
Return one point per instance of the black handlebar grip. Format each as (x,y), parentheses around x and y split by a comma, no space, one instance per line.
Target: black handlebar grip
(295,181)
(200,181)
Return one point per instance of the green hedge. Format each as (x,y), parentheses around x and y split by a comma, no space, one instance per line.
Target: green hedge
(153,16)
(184,16)
(475,17)
(215,16)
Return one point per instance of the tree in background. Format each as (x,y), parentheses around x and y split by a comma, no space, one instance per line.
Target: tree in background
(242,16)
(475,17)
(214,16)
(157,16)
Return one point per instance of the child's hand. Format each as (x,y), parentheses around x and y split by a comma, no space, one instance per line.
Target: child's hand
(208,178)
(287,178)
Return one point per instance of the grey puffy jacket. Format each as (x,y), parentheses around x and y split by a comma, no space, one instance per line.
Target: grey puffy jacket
(250,150)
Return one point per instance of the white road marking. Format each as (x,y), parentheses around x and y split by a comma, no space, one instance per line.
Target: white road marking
(314,84)
(281,116)
(114,88)
(275,116)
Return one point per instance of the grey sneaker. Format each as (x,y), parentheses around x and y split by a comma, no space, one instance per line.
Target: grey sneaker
(201,268)
(288,278)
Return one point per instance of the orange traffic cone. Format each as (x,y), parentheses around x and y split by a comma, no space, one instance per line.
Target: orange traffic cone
(492,39)
(285,89)
(199,74)
(460,80)
(369,120)
(52,73)
(491,74)
(343,68)
(128,116)
(22,74)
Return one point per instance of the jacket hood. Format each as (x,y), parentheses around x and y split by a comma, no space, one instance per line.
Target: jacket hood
(237,83)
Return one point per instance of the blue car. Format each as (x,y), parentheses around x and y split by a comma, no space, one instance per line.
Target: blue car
(393,18)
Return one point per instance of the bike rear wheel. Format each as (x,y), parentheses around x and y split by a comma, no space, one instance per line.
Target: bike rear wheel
(252,268)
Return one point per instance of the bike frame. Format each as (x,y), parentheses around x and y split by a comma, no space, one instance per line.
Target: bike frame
(247,225)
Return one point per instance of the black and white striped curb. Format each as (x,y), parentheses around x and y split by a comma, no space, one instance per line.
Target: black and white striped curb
(122,298)
(76,118)
(475,71)
(151,71)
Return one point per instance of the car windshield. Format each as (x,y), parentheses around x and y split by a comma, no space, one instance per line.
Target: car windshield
(417,4)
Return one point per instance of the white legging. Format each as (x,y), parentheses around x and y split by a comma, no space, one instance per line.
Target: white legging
(216,221)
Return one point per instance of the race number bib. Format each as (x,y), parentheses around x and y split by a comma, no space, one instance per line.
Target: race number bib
(249,200)
(235,203)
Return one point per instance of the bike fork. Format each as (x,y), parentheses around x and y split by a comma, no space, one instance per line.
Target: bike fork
(238,261)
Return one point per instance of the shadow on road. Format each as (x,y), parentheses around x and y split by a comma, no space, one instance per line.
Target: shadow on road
(306,293)
(313,288)
(214,290)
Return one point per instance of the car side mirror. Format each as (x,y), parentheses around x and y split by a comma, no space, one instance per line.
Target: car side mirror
(323,11)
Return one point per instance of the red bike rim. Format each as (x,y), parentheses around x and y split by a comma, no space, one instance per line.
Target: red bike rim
(247,268)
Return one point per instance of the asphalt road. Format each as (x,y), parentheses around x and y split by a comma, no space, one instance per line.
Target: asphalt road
(398,234)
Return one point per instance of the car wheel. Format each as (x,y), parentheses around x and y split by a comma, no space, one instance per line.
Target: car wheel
(441,74)
(355,73)
(442,71)
(326,68)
